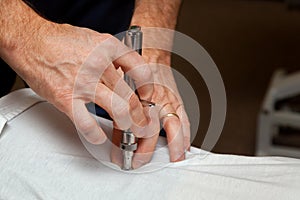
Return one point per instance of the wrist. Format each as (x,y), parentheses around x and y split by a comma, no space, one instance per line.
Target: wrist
(157,56)
(156,13)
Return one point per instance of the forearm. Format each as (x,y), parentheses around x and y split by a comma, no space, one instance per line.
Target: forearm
(158,14)
(18,24)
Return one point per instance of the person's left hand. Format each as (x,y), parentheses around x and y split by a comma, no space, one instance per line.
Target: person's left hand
(169,110)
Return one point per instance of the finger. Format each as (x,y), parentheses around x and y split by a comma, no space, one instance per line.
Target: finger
(116,107)
(135,67)
(86,124)
(116,153)
(146,146)
(113,80)
(145,150)
(180,111)
(132,61)
(153,125)
(185,126)
(175,138)
(121,110)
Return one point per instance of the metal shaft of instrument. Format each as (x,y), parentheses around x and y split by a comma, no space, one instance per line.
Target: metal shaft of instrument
(133,39)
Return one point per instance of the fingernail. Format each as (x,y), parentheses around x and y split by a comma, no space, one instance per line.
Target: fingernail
(101,140)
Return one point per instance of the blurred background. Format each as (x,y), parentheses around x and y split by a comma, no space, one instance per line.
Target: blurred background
(248,40)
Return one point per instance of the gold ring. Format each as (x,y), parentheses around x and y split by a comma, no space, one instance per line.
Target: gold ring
(170,115)
(146,103)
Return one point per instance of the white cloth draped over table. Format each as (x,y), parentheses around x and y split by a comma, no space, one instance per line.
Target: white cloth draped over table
(42,157)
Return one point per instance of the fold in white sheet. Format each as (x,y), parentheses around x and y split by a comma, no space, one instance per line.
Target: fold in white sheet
(42,157)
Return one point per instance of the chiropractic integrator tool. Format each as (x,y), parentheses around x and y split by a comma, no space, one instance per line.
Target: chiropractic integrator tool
(133,39)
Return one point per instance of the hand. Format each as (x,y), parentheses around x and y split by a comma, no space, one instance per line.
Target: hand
(71,66)
(168,100)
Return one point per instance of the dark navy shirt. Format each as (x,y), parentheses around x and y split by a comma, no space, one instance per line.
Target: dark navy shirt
(105,16)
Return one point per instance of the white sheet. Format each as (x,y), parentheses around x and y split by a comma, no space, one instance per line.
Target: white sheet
(42,157)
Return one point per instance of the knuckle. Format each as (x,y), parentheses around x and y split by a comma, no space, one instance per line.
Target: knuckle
(106,35)
(134,102)
(147,74)
(94,61)
(110,41)
(170,122)
(62,99)
(159,95)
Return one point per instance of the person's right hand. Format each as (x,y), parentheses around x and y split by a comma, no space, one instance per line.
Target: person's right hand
(71,66)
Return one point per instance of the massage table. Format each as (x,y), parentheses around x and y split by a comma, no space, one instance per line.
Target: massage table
(43,157)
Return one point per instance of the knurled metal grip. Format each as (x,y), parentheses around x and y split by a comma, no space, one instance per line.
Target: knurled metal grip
(128,141)
(133,39)
(128,147)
